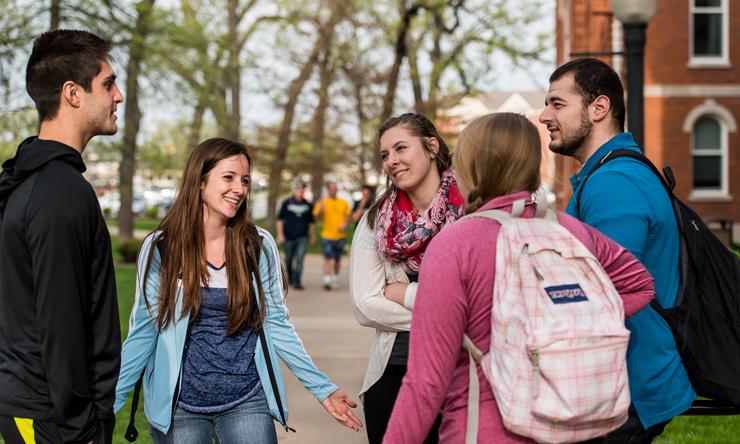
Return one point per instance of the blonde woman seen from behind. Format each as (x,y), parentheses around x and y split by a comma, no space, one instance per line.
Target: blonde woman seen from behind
(497,162)
(388,245)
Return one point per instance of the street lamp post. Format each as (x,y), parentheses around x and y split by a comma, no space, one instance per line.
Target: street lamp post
(635,15)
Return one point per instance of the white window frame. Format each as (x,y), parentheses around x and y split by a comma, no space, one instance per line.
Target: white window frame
(722,191)
(722,61)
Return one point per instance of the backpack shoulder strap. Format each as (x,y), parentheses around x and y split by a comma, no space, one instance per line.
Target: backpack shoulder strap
(271,370)
(668,182)
(131,433)
(497,215)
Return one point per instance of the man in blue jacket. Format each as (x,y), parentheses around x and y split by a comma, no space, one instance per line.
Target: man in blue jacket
(60,337)
(584,114)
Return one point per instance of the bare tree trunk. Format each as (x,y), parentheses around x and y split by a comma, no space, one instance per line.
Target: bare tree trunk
(294,90)
(233,75)
(361,125)
(55,11)
(415,77)
(326,76)
(400,53)
(281,151)
(132,119)
(196,125)
(438,66)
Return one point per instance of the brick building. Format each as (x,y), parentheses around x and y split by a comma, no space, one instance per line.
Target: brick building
(692,92)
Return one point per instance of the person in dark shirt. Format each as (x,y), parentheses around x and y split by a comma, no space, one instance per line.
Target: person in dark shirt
(362,205)
(294,226)
(60,338)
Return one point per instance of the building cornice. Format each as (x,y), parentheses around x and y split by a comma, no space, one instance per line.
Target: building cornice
(693,90)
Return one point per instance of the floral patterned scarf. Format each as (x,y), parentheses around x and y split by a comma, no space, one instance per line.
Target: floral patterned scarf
(403,235)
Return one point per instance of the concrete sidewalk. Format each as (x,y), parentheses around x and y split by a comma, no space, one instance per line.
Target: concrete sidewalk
(339,347)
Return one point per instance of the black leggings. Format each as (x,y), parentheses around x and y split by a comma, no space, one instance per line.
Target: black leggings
(378,405)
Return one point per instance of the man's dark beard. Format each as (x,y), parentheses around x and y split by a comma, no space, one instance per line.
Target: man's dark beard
(570,145)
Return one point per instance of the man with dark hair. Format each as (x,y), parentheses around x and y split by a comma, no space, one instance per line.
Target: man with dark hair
(60,337)
(294,226)
(584,114)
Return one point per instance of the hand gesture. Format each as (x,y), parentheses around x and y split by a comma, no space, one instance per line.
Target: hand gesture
(338,405)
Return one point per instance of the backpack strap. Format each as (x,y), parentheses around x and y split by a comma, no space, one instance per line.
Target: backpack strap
(473,414)
(131,433)
(273,380)
(668,184)
(517,208)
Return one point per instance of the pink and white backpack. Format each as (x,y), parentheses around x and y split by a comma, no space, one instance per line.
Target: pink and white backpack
(557,362)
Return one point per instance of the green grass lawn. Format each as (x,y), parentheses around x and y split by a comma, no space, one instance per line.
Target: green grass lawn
(139,224)
(702,429)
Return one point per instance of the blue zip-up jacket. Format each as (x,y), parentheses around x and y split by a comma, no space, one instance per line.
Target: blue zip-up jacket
(159,353)
(625,201)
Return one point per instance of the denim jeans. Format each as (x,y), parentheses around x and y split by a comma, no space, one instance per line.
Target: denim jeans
(295,250)
(332,249)
(248,423)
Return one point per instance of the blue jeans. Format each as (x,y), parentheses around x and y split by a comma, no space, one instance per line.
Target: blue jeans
(295,250)
(332,249)
(249,423)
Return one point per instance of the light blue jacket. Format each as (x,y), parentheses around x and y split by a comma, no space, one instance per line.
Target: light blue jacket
(159,353)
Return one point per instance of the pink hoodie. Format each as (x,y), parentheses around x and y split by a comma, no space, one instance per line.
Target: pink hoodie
(454,297)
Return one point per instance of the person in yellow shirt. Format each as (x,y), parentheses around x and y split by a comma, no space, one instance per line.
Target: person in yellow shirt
(334,214)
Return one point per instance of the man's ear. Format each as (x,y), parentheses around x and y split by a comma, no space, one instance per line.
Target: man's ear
(71,94)
(599,108)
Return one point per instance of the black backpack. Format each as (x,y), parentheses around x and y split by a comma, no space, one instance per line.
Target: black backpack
(706,318)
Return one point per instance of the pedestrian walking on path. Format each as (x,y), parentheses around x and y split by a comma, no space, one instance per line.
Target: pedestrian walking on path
(335,215)
(294,227)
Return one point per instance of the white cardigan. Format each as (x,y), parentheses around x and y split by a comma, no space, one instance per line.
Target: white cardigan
(369,273)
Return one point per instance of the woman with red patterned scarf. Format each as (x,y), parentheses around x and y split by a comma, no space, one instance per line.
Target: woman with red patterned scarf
(388,246)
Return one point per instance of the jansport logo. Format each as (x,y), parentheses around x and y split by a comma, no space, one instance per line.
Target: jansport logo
(565,294)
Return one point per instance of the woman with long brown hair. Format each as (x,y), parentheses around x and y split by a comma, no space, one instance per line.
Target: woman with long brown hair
(208,321)
(388,245)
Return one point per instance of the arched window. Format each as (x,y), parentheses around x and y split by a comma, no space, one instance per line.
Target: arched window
(709,156)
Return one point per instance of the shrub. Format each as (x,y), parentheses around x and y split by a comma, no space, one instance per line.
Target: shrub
(129,250)
(152,213)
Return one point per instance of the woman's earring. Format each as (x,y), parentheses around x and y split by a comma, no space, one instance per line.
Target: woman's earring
(433,157)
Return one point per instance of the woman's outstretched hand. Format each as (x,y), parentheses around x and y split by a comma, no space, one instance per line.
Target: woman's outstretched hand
(339,406)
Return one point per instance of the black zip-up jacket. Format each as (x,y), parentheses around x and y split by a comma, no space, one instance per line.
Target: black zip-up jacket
(60,338)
